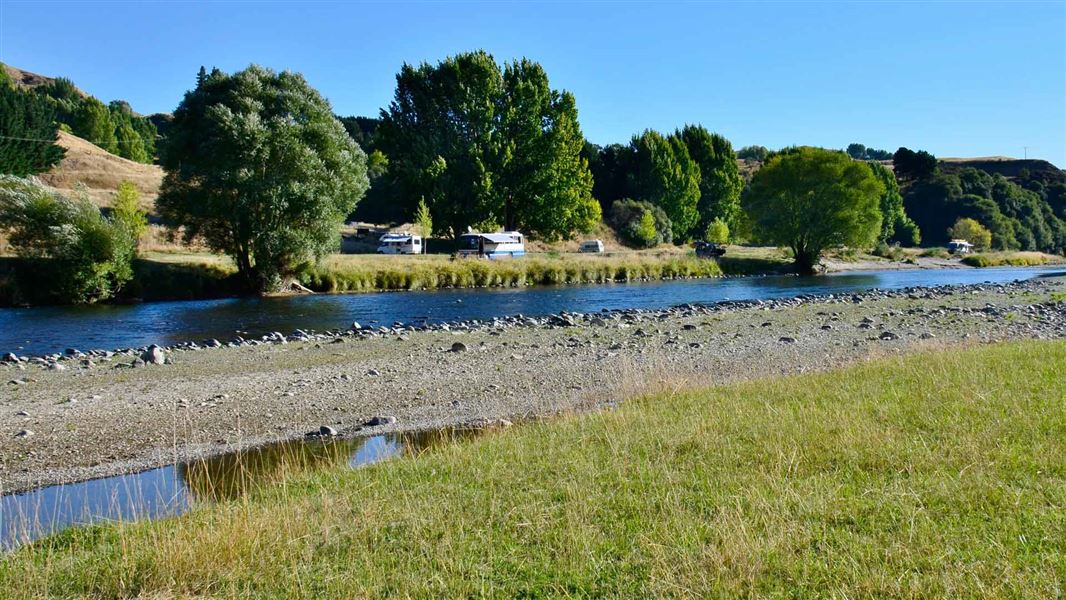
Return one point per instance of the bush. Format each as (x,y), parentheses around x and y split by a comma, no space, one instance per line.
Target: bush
(936,253)
(891,252)
(640,224)
(717,232)
(973,232)
(73,253)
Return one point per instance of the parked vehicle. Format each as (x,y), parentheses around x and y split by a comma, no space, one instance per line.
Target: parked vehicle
(960,247)
(709,250)
(593,246)
(400,243)
(509,244)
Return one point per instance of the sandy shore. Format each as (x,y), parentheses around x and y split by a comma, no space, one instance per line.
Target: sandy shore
(99,416)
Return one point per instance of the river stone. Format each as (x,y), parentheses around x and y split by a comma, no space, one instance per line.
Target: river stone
(689,327)
(25,433)
(153,355)
(56,367)
(382,420)
(787,340)
(927,336)
(327,431)
(888,336)
(373,372)
(459,347)
(10,358)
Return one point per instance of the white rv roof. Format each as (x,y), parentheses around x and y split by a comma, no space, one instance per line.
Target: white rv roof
(498,238)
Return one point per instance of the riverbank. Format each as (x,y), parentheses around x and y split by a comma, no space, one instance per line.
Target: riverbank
(100,416)
(165,276)
(917,476)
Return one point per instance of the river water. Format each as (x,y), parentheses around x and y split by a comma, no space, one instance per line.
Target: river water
(42,330)
(174,489)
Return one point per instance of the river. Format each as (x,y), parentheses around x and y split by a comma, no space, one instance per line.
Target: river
(43,330)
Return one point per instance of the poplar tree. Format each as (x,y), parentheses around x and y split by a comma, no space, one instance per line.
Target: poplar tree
(665,175)
(720,180)
(543,182)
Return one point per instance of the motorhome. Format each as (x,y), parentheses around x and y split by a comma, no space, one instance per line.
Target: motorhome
(960,247)
(400,243)
(593,246)
(509,244)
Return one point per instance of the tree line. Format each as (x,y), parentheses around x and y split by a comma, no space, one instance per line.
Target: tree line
(260,168)
(32,115)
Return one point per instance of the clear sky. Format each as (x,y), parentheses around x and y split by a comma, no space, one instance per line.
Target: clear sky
(954,78)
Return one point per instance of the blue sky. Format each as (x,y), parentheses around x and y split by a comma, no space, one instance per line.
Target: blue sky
(954,78)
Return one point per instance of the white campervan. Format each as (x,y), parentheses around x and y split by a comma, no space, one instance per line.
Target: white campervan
(508,244)
(400,243)
(593,246)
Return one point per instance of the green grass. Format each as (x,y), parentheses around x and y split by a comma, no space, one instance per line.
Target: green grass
(941,474)
(355,273)
(1016,259)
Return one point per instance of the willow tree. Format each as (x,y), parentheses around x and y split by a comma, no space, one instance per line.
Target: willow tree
(257,165)
(811,199)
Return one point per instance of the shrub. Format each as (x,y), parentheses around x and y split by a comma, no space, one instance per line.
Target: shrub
(127,212)
(973,232)
(717,232)
(640,224)
(936,253)
(889,251)
(74,253)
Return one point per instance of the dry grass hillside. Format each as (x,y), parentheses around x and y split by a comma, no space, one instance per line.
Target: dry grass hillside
(101,172)
(26,79)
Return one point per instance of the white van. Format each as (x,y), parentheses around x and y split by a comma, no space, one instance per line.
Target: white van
(400,243)
(593,246)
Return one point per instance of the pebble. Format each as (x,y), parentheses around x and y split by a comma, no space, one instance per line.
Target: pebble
(459,347)
(382,420)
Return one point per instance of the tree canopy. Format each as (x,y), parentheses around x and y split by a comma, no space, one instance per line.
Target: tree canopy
(1018,218)
(759,153)
(911,165)
(487,147)
(896,226)
(720,180)
(665,175)
(973,232)
(257,165)
(810,199)
(28,131)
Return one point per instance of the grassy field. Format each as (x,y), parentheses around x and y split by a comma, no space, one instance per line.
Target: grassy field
(935,475)
(1015,259)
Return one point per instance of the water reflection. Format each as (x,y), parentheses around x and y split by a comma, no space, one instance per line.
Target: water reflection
(52,329)
(171,490)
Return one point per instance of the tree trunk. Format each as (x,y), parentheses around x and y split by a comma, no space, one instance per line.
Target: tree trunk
(806,260)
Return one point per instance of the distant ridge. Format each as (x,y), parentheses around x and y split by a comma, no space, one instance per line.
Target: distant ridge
(29,80)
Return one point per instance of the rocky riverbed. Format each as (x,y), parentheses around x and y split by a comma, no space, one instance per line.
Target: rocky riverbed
(81,415)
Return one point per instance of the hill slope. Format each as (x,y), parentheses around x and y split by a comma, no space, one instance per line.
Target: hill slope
(101,172)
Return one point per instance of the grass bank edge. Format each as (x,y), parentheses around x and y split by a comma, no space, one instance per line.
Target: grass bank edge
(935,474)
